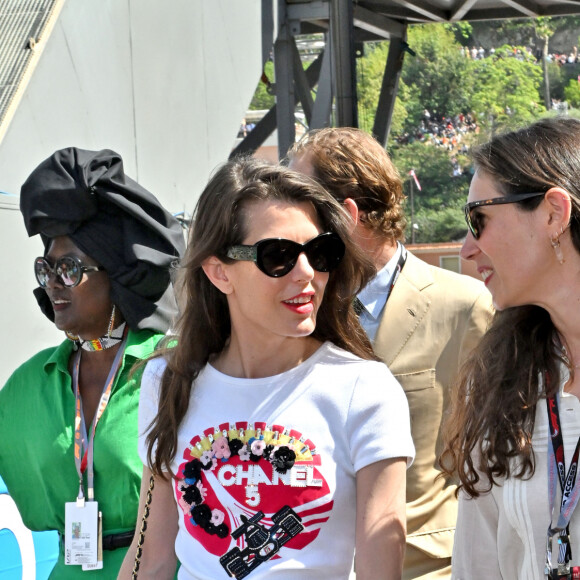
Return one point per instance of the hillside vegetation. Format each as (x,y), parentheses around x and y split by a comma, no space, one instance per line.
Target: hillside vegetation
(457,91)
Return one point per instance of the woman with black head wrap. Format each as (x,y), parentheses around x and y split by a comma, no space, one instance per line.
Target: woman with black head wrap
(68,416)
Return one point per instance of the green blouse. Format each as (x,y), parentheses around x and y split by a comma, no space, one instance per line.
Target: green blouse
(37,410)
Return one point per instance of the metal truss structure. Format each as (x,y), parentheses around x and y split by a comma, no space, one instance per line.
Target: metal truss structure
(346,24)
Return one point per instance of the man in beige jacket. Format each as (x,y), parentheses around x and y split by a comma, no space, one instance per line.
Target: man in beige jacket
(423,321)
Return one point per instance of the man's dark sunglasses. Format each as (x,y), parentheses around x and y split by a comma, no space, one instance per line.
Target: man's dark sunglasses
(277,256)
(474,219)
(68,270)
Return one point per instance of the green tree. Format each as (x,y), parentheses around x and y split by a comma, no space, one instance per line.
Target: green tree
(572,93)
(437,207)
(556,81)
(544,29)
(444,225)
(565,75)
(522,31)
(437,75)
(535,32)
(370,70)
(434,79)
(506,89)
(462,31)
(262,98)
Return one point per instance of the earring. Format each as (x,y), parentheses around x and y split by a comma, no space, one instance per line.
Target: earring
(555,241)
(73,338)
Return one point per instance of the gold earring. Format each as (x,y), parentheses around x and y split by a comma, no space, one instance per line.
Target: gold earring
(555,241)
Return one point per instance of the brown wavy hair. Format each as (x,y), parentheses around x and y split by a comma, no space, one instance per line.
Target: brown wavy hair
(204,325)
(488,433)
(352,164)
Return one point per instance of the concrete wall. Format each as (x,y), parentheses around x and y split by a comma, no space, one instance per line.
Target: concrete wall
(165,84)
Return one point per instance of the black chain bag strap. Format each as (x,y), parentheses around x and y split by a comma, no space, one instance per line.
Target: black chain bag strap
(142,530)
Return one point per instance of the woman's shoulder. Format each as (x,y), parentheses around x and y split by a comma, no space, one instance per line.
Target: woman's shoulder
(153,372)
(151,382)
(361,377)
(346,361)
(340,355)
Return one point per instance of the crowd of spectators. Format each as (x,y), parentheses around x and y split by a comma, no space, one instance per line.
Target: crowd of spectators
(447,132)
(562,59)
(475,53)
(525,53)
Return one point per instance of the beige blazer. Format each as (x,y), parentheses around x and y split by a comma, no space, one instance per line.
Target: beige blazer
(431,321)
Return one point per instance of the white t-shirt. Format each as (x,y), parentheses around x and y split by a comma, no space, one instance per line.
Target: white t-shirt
(276,495)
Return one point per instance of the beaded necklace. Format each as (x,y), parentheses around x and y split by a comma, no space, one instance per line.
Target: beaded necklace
(104,342)
(113,337)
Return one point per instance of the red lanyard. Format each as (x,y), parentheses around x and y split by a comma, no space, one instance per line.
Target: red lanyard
(82,442)
(570,491)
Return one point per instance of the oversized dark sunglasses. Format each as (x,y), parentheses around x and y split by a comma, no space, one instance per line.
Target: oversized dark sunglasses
(277,256)
(474,219)
(68,270)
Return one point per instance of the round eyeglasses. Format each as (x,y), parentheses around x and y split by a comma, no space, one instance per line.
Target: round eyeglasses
(68,270)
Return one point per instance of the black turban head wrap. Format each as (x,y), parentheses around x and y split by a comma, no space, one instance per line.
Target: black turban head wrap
(87,196)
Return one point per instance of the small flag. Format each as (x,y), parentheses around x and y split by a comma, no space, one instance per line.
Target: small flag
(414,176)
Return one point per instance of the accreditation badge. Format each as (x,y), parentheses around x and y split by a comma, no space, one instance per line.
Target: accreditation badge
(81,532)
(99,564)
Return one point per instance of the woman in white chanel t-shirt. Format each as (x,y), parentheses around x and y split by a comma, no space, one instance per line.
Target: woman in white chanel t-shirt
(277,441)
